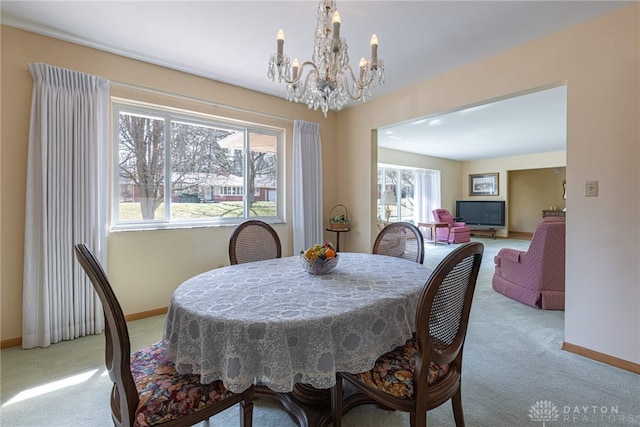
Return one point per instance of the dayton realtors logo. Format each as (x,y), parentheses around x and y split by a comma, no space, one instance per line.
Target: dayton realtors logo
(545,411)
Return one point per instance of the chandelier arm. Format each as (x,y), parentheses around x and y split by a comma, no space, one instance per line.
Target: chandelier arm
(300,73)
(301,89)
(348,87)
(315,69)
(360,84)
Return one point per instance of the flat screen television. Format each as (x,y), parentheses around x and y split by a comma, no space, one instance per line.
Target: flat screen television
(481,213)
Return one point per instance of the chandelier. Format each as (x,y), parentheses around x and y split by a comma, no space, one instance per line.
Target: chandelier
(329,82)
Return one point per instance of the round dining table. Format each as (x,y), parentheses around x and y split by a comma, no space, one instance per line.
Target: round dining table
(274,324)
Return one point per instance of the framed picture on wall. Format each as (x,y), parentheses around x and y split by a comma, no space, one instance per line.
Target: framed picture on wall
(484,184)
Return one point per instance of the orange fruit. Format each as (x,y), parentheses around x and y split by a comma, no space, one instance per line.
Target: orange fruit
(330,253)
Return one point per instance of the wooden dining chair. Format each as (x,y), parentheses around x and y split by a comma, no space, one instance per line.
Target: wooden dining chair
(253,240)
(426,371)
(147,389)
(402,240)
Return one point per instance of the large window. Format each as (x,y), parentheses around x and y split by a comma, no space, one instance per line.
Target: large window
(178,169)
(407,194)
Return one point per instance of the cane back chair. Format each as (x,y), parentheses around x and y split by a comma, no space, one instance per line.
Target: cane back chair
(254,240)
(402,240)
(426,371)
(147,390)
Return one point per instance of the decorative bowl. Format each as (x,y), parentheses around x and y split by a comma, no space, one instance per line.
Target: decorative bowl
(319,266)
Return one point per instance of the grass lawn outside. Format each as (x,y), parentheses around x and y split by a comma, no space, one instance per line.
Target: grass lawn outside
(179,211)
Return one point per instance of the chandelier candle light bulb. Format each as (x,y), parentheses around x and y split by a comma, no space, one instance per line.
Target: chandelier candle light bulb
(335,20)
(374,50)
(296,64)
(327,81)
(280,41)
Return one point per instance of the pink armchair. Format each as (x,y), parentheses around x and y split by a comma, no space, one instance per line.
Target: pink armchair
(535,277)
(458,232)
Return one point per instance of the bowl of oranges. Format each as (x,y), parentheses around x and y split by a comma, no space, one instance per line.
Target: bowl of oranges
(319,259)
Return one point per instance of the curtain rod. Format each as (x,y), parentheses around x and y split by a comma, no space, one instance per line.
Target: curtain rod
(199,100)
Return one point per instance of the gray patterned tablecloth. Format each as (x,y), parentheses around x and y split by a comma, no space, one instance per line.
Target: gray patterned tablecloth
(271,322)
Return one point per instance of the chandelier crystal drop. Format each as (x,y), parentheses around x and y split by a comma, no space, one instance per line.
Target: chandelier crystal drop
(327,82)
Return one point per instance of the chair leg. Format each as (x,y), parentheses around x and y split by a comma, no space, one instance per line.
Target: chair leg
(246,409)
(456,402)
(418,419)
(336,402)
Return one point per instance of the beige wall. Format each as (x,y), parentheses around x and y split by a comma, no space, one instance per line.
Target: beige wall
(598,61)
(144,266)
(530,192)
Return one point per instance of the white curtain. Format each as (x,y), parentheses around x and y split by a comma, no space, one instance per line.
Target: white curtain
(307,185)
(427,195)
(66,203)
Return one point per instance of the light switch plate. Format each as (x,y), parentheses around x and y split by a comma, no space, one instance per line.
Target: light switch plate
(591,189)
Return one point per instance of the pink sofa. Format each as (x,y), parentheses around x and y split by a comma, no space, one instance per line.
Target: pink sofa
(535,277)
(458,232)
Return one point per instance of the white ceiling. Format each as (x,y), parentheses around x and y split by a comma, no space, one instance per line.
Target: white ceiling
(525,124)
(231,41)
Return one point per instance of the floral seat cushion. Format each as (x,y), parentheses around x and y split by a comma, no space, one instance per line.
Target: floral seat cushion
(393,372)
(165,394)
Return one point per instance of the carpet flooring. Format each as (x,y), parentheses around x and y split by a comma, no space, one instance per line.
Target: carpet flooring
(513,367)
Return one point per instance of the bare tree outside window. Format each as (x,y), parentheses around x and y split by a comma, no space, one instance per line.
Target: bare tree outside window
(141,160)
(263,170)
(204,161)
(198,166)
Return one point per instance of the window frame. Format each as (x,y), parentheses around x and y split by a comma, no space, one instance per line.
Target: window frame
(169,115)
